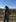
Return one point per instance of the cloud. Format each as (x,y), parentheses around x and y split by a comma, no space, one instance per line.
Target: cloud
(9,6)
(12,7)
(1,7)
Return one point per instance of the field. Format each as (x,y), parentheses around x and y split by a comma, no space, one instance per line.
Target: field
(12,16)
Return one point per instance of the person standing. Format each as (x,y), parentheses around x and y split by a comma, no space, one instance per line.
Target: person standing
(6,14)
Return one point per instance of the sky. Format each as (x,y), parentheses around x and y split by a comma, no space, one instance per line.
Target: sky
(10,3)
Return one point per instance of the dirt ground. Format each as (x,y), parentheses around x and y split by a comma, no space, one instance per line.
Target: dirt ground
(1,21)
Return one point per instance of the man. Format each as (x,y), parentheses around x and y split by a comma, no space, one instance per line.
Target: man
(6,14)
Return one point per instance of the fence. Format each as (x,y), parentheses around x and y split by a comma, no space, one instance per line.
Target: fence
(12,17)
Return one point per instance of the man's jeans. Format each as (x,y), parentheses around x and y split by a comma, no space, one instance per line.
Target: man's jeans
(6,19)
